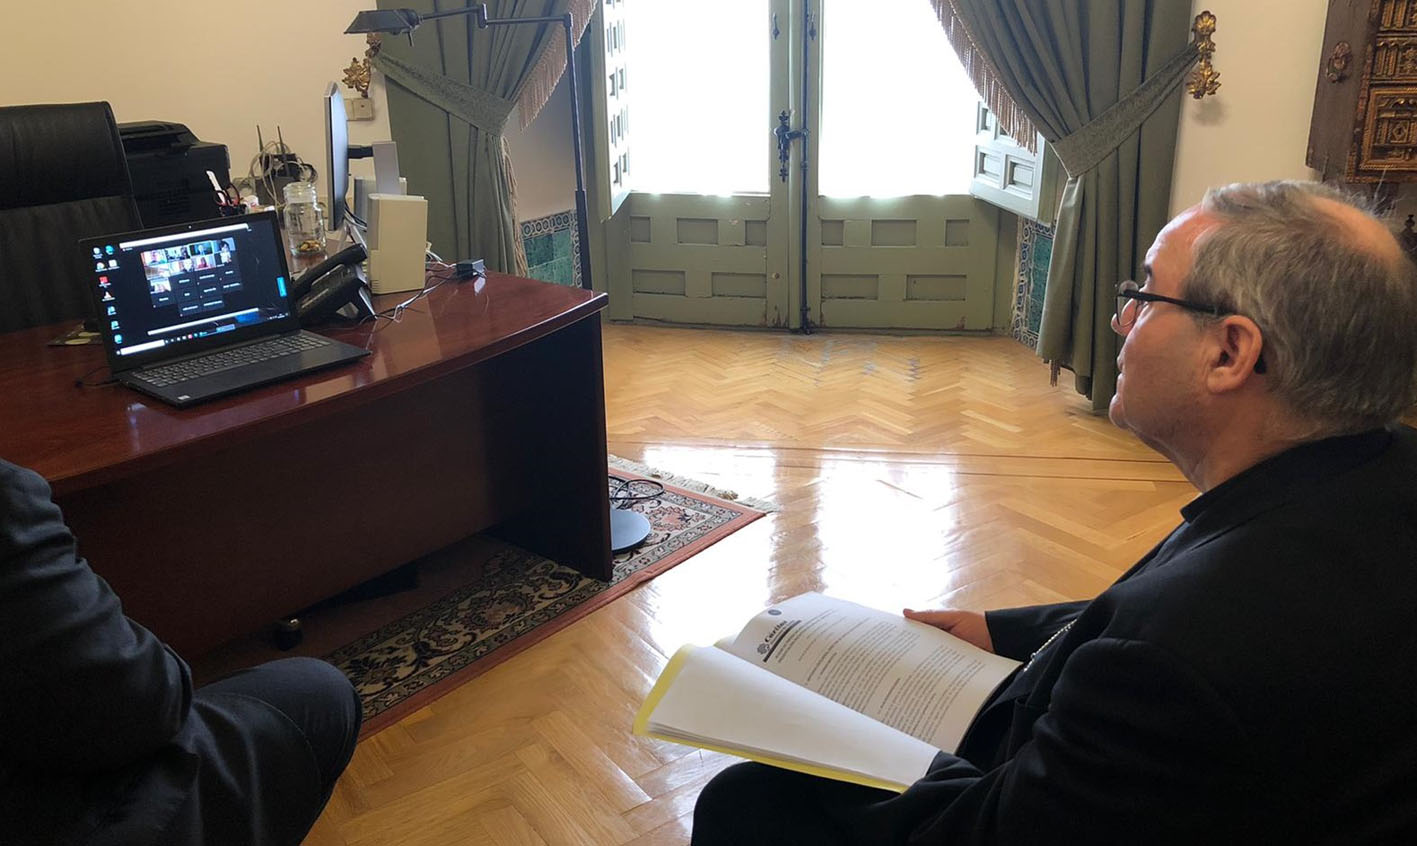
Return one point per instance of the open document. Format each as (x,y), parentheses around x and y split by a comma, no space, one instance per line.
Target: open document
(827,687)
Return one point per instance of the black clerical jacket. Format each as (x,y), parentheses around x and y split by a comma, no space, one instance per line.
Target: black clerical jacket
(1252,680)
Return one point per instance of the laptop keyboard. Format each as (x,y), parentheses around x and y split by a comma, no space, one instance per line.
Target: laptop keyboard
(213,363)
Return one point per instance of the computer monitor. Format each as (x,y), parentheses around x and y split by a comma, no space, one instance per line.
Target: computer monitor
(336,156)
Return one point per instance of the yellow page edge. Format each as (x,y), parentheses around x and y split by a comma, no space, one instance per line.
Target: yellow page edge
(788,764)
(661,687)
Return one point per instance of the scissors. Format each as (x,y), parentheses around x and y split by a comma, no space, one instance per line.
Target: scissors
(228,201)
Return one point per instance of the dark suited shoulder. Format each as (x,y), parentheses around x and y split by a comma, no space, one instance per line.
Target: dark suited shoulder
(1326,572)
(1299,618)
(1240,687)
(85,688)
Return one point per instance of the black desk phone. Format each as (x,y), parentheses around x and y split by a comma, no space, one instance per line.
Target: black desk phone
(334,284)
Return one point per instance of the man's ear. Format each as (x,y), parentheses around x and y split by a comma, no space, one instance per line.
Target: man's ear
(1238,345)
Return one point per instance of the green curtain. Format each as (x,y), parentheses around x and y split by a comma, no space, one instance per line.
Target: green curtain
(450,94)
(1075,69)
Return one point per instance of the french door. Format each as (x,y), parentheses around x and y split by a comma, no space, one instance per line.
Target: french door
(788,168)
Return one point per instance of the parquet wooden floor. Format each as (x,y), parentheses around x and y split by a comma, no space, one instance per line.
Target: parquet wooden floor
(910,471)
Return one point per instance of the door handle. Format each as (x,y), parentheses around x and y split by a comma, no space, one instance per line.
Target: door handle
(785,137)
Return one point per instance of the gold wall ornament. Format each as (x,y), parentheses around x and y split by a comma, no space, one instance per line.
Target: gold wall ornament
(1205,79)
(356,76)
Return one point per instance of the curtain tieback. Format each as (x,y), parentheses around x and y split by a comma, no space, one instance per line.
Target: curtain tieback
(482,109)
(1085,149)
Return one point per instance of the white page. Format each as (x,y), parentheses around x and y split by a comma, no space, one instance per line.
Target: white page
(908,675)
(722,700)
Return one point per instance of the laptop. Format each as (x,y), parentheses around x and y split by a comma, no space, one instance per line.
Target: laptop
(194,311)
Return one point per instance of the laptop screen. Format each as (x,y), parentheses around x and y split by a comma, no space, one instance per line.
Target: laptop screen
(175,290)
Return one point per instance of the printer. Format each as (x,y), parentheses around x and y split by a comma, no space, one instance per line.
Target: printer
(168,166)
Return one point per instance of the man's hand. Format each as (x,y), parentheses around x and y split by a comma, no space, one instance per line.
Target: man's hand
(968,626)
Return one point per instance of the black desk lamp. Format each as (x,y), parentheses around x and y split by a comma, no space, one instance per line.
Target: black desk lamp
(400,21)
(627,528)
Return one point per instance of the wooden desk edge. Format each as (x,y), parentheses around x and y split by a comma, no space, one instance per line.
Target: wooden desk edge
(66,484)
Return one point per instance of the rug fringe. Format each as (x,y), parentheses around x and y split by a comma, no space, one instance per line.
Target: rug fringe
(764,505)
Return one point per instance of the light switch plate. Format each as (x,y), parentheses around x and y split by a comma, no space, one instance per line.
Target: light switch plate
(360,108)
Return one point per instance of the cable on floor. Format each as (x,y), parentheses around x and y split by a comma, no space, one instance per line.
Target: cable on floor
(632,491)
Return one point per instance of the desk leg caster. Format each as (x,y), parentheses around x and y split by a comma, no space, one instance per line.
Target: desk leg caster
(287,633)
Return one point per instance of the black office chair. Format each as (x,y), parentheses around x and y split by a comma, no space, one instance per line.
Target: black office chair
(63,177)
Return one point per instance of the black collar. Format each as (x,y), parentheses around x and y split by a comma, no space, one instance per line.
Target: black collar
(1279,478)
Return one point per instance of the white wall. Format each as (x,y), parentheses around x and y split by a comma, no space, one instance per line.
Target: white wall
(1257,125)
(541,157)
(220,67)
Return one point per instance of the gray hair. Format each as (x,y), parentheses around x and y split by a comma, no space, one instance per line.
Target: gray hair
(1339,320)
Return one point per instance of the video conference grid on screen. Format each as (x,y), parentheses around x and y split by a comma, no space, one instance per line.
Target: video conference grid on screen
(173,288)
(177,275)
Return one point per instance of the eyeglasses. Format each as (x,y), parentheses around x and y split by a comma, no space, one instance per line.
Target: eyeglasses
(1130,296)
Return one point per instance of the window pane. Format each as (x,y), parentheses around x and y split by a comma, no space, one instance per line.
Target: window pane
(898,109)
(699,96)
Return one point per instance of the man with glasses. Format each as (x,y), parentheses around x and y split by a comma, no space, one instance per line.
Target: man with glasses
(1254,677)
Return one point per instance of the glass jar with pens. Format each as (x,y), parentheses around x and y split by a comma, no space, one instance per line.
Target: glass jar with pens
(303,219)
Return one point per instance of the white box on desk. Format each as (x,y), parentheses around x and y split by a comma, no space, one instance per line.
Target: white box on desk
(397,239)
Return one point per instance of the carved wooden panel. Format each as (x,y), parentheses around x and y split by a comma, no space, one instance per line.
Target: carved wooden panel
(1395,58)
(1390,133)
(1364,126)
(1397,14)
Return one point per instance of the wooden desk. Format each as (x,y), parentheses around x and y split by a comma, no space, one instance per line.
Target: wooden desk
(482,406)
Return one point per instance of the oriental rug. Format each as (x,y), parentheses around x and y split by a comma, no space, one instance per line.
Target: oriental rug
(515,599)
